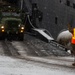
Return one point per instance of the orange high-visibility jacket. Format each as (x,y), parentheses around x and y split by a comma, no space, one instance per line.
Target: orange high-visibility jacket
(73,36)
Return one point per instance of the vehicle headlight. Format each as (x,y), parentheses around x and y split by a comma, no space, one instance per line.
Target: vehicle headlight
(2,27)
(21,31)
(22,28)
(3,30)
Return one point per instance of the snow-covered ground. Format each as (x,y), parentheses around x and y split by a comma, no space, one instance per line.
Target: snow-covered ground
(26,64)
(14,66)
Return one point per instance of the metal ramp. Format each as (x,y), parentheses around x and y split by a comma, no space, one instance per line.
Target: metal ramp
(44,33)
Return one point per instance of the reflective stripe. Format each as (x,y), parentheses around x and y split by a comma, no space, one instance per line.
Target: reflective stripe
(74,33)
(73,41)
(73,37)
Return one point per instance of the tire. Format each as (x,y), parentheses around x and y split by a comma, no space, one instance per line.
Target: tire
(2,37)
(9,38)
(21,37)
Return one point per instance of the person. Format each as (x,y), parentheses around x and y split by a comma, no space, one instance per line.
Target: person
(71,28)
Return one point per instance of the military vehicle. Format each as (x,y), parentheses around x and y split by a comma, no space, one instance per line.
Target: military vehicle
(11,24)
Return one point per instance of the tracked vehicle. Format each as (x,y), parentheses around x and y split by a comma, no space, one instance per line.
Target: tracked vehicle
(11,25)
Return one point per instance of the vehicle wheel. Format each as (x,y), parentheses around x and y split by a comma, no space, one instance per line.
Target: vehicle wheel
(9,38)
(21,37)
(2,37)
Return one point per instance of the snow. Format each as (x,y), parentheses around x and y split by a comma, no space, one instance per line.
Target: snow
(65,34)
(13,66)
(61,61)
(64,38)
(22,52)
(1,49)
(28,65)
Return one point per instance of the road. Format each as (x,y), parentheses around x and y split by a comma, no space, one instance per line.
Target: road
(15,66)
(33,57)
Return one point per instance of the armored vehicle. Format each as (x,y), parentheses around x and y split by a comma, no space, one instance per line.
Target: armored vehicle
(11,24)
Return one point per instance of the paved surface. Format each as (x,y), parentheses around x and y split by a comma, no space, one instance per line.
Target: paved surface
(14,66)
(34,57)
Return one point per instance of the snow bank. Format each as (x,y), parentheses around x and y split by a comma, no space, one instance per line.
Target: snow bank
(64,38)
(64,35)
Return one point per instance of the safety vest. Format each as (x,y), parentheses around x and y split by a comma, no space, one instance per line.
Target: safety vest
(73,37)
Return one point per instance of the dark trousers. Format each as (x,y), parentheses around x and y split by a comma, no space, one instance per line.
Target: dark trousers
(73,49)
